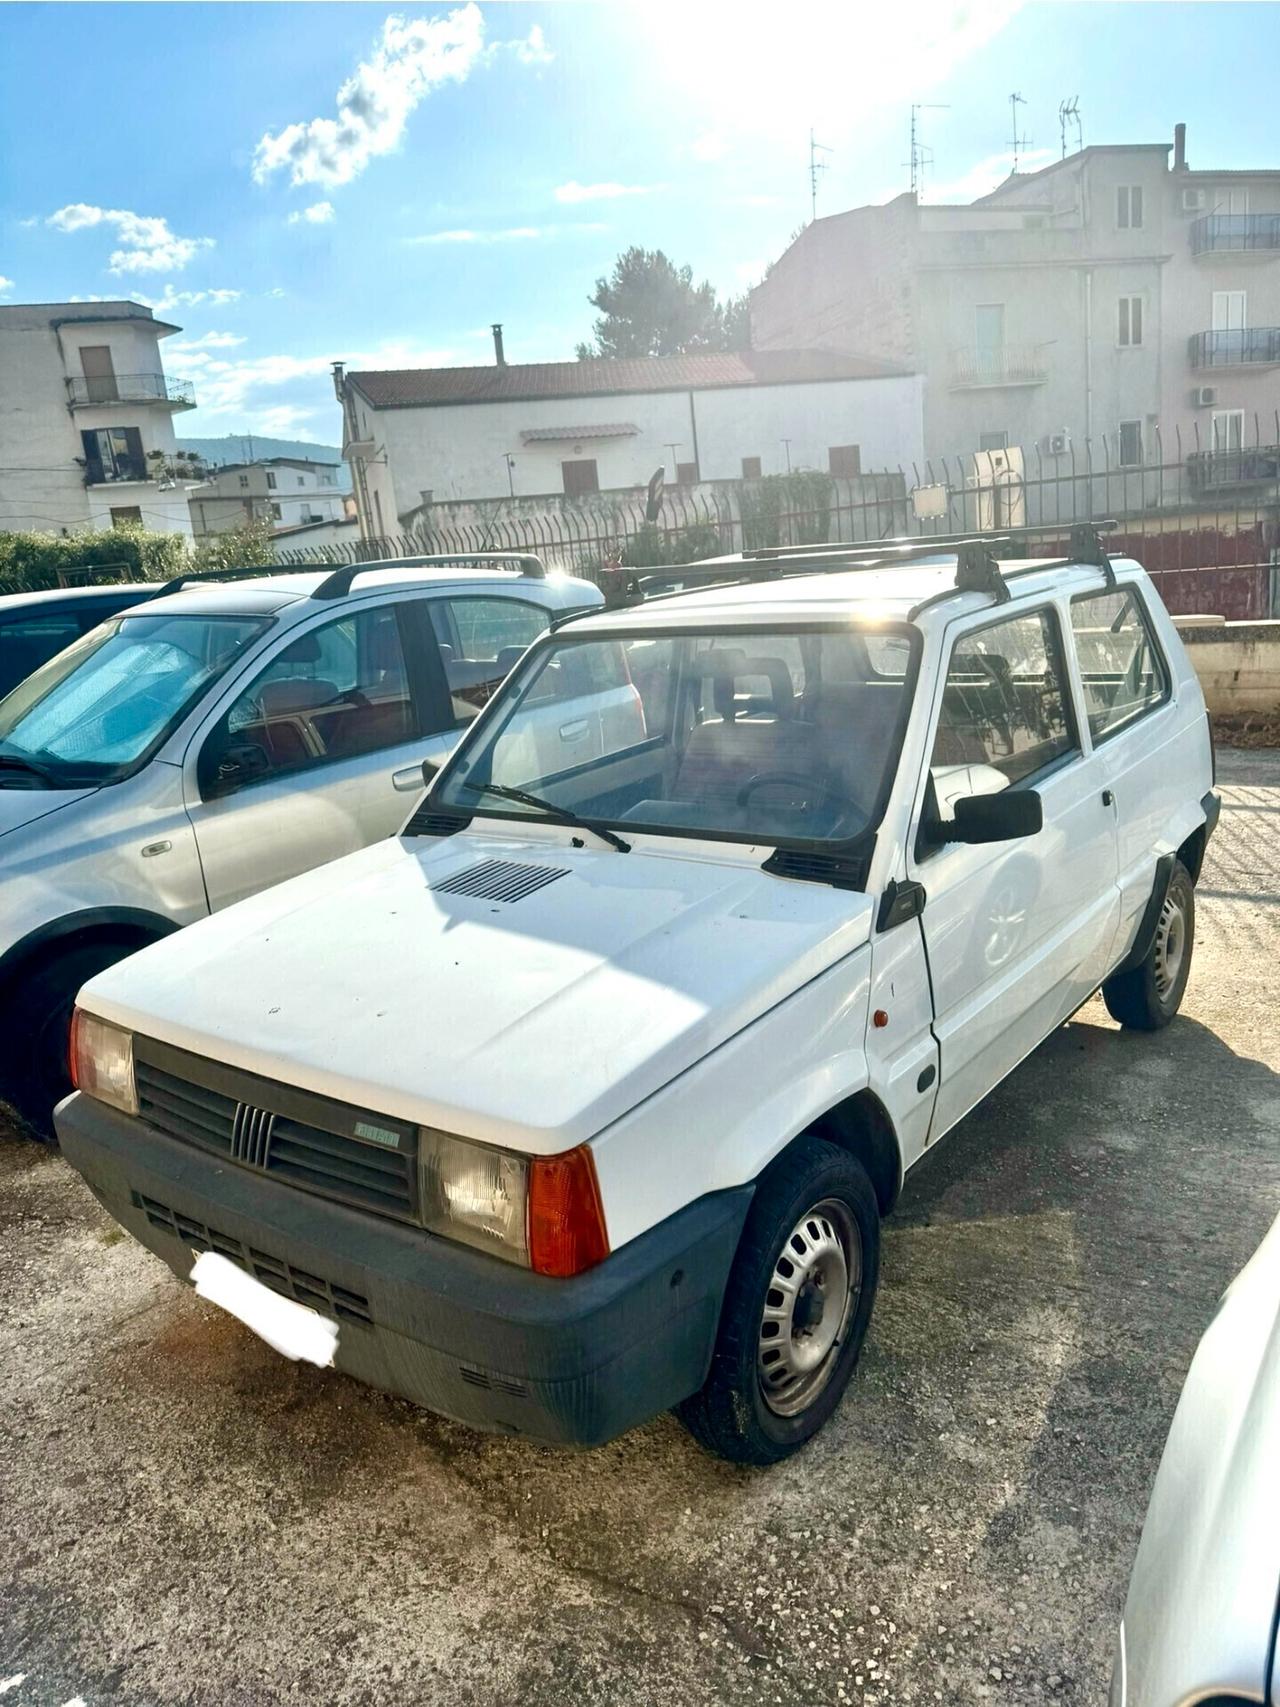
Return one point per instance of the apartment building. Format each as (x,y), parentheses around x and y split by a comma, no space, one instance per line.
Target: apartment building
(86,419)
(1116,295)
(566,431)
(288,491)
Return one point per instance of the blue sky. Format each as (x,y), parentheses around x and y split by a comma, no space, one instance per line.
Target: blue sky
(298,183)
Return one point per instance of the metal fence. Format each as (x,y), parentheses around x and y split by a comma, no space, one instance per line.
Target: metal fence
(1204,518)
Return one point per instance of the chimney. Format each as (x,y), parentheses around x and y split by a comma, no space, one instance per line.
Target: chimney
(499,357)
(1179,148)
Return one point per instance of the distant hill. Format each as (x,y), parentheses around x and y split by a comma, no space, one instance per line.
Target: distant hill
(238,447)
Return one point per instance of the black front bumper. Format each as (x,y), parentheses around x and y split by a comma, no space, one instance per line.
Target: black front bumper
(570,1362)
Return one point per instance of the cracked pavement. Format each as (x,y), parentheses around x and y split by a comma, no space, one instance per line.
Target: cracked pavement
(188,1518)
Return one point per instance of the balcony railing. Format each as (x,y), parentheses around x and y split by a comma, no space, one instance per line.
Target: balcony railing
(1236,233)
(1241,348)
(131,388)
(1012,365)
(1211,469)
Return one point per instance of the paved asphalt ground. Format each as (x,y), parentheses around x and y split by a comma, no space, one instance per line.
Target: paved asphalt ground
(187,1518)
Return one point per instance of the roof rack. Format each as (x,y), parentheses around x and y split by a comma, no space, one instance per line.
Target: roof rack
(1082,531)
(197,577)
(338,584)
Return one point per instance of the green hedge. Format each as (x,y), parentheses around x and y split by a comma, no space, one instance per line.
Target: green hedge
(31,562)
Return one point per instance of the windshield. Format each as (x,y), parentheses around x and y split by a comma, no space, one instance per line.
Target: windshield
(754,736)
(96,710)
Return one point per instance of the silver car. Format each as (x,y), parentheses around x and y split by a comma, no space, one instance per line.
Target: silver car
(226,736)
(1200,1620)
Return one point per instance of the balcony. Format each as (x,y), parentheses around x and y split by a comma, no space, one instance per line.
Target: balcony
(1012,365)
(131,388)
(1212,470)
(1237,234)
(1252,346)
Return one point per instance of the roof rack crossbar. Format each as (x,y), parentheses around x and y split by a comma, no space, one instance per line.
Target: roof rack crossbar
(197,577)
(939,541)
(338,584)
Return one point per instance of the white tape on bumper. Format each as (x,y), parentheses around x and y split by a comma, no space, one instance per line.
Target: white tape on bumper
(293,1329)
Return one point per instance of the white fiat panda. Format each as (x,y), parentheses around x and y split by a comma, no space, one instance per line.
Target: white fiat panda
(585,1095)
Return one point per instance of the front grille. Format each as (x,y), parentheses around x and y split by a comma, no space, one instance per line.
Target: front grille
(499,880)
(282,1277)
(340,1152)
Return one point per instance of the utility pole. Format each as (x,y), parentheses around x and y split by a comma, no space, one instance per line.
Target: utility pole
(816,169)
(1016,142)
(1069,113)
(920,155)
(511,478)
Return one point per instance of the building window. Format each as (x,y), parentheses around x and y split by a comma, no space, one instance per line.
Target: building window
(99,373)
(275,512)
(751,468)
(301,481)
(1129,207)
(126,516)
(1129,322)
(580,477)
(844,461)
(244,482)
(1229,310)
(686,474)
(113,453)
(993,441)
(271,481)
(1130,444)
(1228,430)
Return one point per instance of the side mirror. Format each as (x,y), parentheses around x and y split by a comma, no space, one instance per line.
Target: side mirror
(1003,817)
(430,771)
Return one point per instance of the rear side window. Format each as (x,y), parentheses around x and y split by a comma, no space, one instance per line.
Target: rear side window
(481,639)
(1004,704)
(1121,668)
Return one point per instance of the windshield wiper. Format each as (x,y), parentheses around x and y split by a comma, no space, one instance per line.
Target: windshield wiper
(10,762)
(561,814)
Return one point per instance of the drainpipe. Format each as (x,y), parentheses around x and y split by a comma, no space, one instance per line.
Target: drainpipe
(693,428)
(1088,353)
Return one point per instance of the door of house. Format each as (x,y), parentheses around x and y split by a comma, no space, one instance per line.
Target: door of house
(1228,311)
(99,373)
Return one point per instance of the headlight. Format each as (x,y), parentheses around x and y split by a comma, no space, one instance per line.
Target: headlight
(543,1212)
(102,1061)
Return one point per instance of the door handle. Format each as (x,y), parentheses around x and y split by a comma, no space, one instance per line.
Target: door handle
(1108,799)
(574,731)
(408,780)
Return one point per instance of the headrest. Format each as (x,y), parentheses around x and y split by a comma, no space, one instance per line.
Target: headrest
(304,650)
(779,678)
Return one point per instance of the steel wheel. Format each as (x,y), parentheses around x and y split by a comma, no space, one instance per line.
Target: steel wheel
(809,1302)
(1170,945)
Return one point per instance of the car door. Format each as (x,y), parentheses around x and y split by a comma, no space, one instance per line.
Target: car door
(312,759)
(1017,933)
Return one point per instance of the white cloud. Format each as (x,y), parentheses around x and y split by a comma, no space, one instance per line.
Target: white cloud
(412,58)
(319,213)
(5,284)
(513,234)
(148,245)
(985,175)
(237,393)
(533,50)
(207,341)
(575,192)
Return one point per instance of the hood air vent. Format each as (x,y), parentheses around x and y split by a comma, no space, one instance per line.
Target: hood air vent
(500,880)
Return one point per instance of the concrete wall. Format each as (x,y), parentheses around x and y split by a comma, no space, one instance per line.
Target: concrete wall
(459,452)
(1238,664)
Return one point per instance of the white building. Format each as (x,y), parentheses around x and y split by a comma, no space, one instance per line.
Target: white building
(86,419)
(290,491)
(1111,294)
(555,429)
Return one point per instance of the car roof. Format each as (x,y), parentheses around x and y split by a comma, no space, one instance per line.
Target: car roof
(269,593)
(73,596)
(873,595)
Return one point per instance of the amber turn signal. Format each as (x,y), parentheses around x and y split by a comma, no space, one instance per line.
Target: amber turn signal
(567,1231)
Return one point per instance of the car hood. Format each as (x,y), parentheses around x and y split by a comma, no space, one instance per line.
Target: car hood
(532,1022)
(22,806)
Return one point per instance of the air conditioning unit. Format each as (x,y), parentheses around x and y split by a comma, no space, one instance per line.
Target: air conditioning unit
(1204,396)
(1193,201)
(1060,443)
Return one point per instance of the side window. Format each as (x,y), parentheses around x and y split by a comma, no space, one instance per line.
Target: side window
(480,640)
(30,642)
(333,693)
(1120,667)
(1004,710)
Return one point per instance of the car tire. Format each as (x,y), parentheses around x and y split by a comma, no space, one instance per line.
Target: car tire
(39,1024)
(788,1342)
(1147,996)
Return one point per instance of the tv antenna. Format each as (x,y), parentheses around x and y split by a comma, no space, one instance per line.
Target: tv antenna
(1016,142)
(1069,113)
(816,169)
(920,155)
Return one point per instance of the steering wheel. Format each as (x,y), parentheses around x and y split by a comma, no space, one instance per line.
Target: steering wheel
(772,779)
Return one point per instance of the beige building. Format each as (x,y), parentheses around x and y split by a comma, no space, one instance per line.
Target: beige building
(86,419)
(1116,295)
(288,491)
